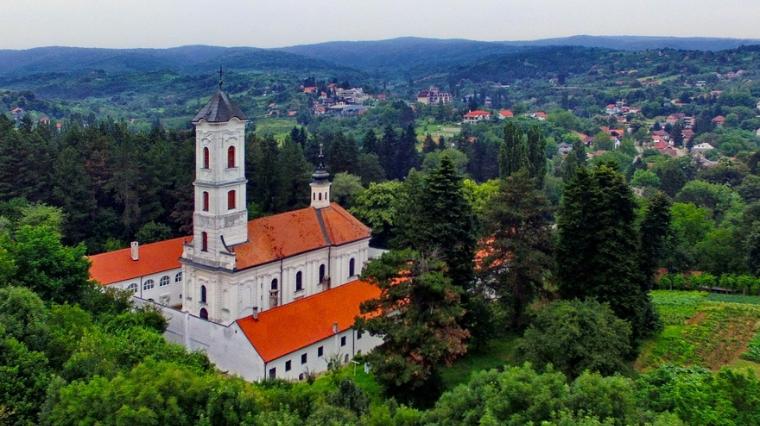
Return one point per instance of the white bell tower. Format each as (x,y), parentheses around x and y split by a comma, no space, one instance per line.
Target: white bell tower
(320,184)
(220,217)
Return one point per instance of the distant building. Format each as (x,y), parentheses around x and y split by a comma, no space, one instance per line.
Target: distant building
(702,148)
(433,96)
(477,115)
(719,121)
(539,115)
(505,113)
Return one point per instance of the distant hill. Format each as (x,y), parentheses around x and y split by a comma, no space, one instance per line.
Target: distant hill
(185,59)
(412,55)
(643,42)
(401,54)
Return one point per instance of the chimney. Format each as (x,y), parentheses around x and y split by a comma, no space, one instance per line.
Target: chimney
(256,313)
(335,328)
(134,251)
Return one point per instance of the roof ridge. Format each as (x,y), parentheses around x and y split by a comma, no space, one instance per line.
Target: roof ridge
(323,227)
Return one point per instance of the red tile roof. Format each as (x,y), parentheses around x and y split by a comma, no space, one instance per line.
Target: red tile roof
(506,113)
(287,234)
(269,238)
(116,266)
(477,113)
(287,328)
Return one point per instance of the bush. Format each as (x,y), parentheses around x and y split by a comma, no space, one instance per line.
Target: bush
(578,335)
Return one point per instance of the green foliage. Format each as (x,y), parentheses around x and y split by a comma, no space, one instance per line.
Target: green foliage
(345,187)
(377,206)
(419,322)
(597,238)
(645,178)
(574,336)
(518,224)
(152,232)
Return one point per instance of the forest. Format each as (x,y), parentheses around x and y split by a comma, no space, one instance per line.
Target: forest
(538,271)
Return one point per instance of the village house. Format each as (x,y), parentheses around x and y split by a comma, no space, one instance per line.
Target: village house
(719,121)
(505,113)
(433,96)
(273,297)
(702,148)
(539,115)
(476,116)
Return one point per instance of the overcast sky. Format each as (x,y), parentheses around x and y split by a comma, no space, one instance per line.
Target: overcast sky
(272,23)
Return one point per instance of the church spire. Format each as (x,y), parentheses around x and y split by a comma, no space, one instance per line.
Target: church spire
(320,184)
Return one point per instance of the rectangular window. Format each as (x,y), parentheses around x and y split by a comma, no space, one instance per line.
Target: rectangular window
(272,373)
(343,341)
(320,351)
(304,358)
(287,365)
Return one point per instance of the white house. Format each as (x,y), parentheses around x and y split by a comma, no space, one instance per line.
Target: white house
(702,148)
(270,297)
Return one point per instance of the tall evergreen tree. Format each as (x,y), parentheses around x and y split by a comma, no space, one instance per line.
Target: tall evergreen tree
(447,226)
(536,155)
(369,143)
(653,234)
(292,177)
(262,167)
(518,252)
(420,324)
(386,150)
(598,245)
(428,145)
(343,154)
(407,157)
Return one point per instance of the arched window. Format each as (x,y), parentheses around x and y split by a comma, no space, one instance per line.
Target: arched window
(204,241)
(321,273)
(164,281)
(206,158)
(148,284)
(299,281)
(351,267)
(231,200)
(274,285)
(205,201)
(320,196)
(274,294)
(231,157)
(178,277)
(203,294)
(132,287)
(204,314)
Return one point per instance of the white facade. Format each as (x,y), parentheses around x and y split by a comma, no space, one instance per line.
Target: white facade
(163,287)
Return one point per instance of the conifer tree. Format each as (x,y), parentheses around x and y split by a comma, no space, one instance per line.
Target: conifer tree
(407,157)
(420,324)
(537,155)
(519,248)
(369,144)
(447,226)
(428,145)
(262,167)
(293,177)
(653,234)
(342,155)
(386,150)
(598,245)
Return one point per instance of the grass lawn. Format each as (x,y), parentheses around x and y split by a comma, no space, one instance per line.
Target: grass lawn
(277,127)
(704,329)
(496,354)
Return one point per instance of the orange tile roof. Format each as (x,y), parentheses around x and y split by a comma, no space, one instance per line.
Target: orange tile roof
(290,327)
(298,231)
(114,266)
(269,238)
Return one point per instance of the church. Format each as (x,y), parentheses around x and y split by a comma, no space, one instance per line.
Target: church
(273,297)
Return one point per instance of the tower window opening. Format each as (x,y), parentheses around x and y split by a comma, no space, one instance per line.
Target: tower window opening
(203,294)
(231,157)
(206,158)
(205,201)
(231,200)
(204,241)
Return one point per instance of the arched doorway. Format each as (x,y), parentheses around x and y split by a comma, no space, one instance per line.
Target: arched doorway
(204,314)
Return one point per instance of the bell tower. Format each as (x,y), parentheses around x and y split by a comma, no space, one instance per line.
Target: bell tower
(220,217)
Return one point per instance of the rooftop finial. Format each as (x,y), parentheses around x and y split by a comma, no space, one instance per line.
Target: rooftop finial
(321,157)
(221,77)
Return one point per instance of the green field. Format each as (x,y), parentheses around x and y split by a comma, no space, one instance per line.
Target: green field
(277,127)
(710,330)
(704,329)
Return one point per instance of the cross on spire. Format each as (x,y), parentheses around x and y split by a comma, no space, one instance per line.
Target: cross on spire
(221,77)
